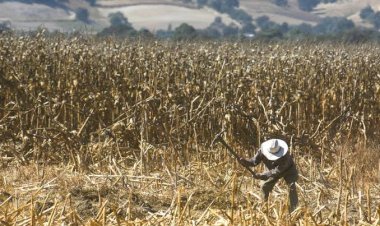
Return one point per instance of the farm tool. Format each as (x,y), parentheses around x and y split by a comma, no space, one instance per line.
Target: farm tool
(219,139)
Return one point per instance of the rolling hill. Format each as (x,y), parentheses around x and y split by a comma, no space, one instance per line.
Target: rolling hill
(159,14)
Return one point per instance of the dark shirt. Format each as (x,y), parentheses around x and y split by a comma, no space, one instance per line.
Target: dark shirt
(276,167)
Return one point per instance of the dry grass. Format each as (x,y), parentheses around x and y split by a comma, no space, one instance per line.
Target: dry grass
(99,132)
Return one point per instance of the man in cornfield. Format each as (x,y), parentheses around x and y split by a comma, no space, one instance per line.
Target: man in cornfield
(279,163)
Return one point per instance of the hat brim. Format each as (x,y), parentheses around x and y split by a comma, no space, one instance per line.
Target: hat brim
(265,149)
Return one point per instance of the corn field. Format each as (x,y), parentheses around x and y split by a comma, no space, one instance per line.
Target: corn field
(109,132)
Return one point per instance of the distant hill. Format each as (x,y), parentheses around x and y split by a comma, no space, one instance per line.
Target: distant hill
(159,14)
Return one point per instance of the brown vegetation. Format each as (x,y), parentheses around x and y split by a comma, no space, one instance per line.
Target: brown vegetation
(106,132)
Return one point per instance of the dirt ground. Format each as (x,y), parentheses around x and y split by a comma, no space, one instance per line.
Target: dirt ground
(201,192)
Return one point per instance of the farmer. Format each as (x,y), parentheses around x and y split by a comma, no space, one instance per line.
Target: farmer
(279,163)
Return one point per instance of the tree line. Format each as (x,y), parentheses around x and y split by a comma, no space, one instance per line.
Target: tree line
(261,28)
(329,28)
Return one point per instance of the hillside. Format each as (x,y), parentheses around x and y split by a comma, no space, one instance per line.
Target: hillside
(163,15)
(27,16)
(291,14)
(159,14)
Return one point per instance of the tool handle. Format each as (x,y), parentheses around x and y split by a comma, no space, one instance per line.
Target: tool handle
(221,140)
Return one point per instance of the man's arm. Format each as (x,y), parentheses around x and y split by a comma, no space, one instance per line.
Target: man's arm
(253,161)
(285,163)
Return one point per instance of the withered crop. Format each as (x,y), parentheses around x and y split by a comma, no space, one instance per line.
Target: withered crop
(90,103)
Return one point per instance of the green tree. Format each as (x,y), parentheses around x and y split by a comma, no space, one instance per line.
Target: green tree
(375,20)
(118,19)
(215,29)
(248,28)
(302,31)
(91,2)
(5,26)
(118,31)
(185,32)
(82,14)
(120,27)
(307,5)
(231,30)
(359,35)
(329,1)
(281,3)
(165,34)
(272,33)
(240,15)
(216,4)
(333,25)
(145,33)
(262,21)
(210,33)
(265,23)
(201,3)
(231,3)
(366,12)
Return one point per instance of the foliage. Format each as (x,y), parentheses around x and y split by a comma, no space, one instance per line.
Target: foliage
(240,15)
(334,28)
(82,14)
(248,28)
(121,31)
(307,5)
(330,28)
(215,4)
(202,3)
(230,31)
(5,26)
(366,12)
(118,19)
(360,35)
(165,34)
(228,6)
(219,5)
(375,19)
(91,2)
(370,15)
(333,25)
(120,27)
(281,3)
(232,3)
(264,22)
(271,33)
(302,31)
(185,32)
(215,29)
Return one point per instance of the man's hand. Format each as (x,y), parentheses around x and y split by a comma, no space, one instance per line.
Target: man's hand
(260,176)
(244,162)
(256,176)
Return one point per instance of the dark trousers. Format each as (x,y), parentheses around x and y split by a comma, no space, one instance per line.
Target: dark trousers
(290,176)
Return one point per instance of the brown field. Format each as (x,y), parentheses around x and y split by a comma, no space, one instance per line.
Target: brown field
(103,132)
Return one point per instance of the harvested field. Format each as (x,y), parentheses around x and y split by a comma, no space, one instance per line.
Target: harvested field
(103,132)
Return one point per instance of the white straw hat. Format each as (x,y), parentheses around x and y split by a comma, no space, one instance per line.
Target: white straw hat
(274,149)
